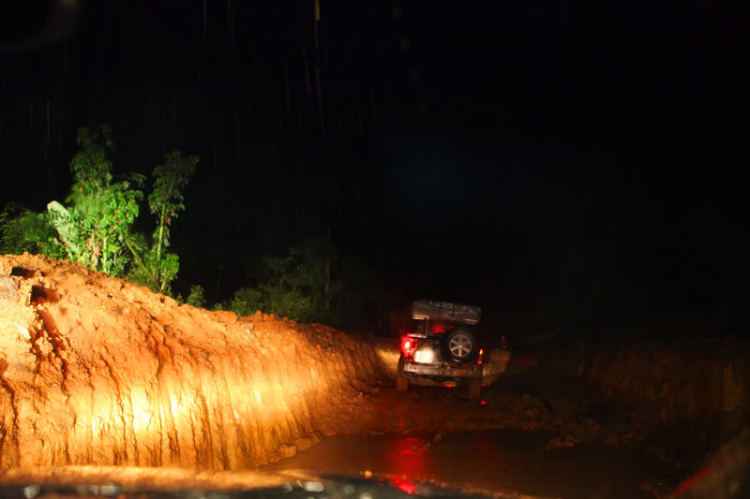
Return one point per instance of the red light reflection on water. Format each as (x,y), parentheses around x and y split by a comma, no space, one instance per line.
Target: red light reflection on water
(403,485)
(409,457)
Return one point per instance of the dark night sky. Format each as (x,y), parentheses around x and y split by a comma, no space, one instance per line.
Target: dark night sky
(540,158)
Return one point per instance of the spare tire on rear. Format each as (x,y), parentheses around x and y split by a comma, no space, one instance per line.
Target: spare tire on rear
(460,345)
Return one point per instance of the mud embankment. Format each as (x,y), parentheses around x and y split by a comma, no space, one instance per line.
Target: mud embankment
(696,385)
(97,371)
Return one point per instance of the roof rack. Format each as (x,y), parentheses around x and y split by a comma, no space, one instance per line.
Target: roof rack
(441,310)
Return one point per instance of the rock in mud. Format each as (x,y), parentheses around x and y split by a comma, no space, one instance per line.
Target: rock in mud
(8,290)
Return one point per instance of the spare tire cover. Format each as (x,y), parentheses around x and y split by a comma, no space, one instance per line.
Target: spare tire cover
(460,345)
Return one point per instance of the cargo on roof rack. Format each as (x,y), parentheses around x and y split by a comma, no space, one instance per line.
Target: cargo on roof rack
(441,310)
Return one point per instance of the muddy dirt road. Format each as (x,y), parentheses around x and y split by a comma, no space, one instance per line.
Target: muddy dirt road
(100,373)
(542,445)
(510,461)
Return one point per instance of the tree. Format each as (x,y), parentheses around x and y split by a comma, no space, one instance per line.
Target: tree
(312,284)
(196,298)
(166,201)
(94,229)
(297,285)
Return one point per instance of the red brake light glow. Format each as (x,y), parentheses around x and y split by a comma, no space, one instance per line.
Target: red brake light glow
(408,346)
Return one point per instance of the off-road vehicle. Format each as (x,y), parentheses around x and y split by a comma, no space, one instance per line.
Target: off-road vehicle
(442,345)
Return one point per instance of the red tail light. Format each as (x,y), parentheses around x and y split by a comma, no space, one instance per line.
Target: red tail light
(408,346)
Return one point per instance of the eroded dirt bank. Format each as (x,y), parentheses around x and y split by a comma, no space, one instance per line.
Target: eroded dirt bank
(97,371)
(697,385)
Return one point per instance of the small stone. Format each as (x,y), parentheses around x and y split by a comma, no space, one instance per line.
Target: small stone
(23,331)
(8,289)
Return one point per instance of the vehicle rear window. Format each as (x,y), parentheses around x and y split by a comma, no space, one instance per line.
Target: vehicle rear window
(441,327)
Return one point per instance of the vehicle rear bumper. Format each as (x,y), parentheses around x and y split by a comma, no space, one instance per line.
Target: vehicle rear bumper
(474,371)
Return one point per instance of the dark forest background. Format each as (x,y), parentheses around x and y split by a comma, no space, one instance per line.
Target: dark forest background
(566,168)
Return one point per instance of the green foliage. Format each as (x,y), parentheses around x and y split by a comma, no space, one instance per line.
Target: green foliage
(155,270)
(94,227)
(300,285)
(311,284)
(247,301)
(165,202)
(23,230)
(196,298)
(92,170)
(97,230)
(62,221)
(296,285)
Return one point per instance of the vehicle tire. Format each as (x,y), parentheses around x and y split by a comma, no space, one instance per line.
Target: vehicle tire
(460,346)
(402,384)
(474,388)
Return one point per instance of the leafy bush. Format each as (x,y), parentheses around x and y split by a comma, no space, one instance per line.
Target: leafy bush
(247,301)
(196,298)
(102,212)
(24,230)
(94,227)
(310,284)
(297,285)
